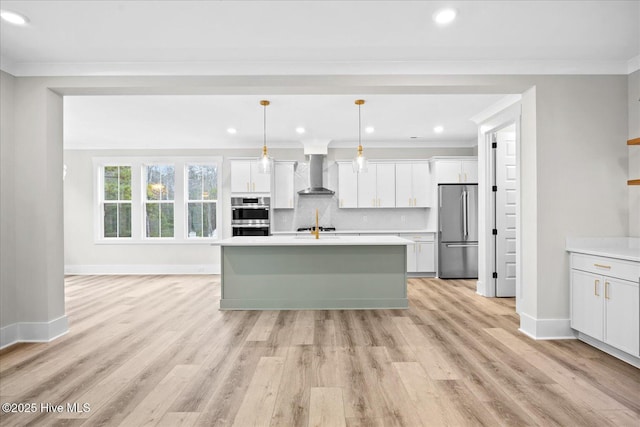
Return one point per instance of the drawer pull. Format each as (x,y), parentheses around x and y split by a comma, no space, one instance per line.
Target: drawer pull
(608,267)
(606,290)
(596,283)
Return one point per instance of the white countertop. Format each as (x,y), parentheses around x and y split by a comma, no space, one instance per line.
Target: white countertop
(284,233)
(312,241)
(626,248)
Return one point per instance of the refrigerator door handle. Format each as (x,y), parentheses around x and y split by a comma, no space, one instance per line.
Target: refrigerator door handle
(465,214)
(461,245)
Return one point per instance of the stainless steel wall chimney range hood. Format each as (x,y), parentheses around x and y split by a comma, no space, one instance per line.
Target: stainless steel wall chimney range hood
(315,178)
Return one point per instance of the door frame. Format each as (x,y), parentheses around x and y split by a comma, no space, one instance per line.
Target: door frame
(510,113)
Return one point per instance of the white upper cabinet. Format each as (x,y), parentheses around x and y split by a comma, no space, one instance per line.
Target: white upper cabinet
(376,187)
(454,171)
(245,177)
(284,185)
(413,185)
(347,186)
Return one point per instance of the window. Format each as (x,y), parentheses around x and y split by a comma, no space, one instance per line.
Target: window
(157,200)
(202,200)
(116,201)
(160,193)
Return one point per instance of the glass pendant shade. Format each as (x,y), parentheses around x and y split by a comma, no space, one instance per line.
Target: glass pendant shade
(360,161)
(264,161)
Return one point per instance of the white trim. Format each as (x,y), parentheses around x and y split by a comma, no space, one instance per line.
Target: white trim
(111,269)
(217,68)
(33,331)
(496,108)
(546,329)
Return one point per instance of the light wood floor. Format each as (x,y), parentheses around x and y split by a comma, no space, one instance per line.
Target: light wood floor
(155,350)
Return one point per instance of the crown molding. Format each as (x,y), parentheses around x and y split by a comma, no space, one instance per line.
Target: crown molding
(56,69)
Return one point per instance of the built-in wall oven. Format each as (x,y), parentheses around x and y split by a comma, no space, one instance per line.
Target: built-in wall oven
(250,216)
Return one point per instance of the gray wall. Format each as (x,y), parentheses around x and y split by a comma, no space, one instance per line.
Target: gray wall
(576,160)
(8,313)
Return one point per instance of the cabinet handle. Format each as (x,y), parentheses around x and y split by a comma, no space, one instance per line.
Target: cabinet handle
(254,186)
(409,201)
(595,287)
(373,202)
(607,267)
(606,290)
(414,202)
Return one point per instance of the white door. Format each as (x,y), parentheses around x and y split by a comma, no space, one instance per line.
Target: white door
(367,197)
(421,185)
(404,190)
(386,185)
(347,186)
(261,182)
(448,171)
(621,314)
(506,213)
(586,303)
(240,176)
(283,186)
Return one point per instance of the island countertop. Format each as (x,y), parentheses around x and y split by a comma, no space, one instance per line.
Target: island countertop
(310,240)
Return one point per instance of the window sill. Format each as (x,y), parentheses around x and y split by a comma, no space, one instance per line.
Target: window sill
(205,241)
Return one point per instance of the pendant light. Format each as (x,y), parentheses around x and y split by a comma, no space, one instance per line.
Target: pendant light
(264,162)
(360,161)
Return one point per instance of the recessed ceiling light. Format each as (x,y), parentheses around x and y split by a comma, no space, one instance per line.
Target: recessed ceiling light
(13,17)
(438,129)
(444,16)
(369,129)
(232,131)
(300,130)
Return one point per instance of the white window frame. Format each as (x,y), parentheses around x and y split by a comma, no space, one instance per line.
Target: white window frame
(138,199)
(145,201)
(187,200)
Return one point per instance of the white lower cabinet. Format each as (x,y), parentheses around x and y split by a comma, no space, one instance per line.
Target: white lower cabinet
(421,254)
(605,301)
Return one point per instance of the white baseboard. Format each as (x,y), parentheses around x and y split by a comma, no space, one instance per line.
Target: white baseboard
(33,331)
(110,269)
(546,329)
(629,358)
(482,290)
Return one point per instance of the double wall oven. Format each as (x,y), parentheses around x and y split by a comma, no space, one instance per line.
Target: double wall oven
(250,216)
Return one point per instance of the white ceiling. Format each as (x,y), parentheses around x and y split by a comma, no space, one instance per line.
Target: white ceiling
(320,37)
(304,37)
(127,122)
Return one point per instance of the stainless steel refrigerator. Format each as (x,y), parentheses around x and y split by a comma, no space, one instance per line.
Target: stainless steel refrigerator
(458,231)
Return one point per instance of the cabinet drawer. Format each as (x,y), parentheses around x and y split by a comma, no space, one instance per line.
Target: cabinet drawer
(620,269)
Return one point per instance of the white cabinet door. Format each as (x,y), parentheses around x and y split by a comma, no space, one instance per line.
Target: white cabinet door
(425,258)
(469,171)
(386,185)
(422,189)
(240,176)
(621,314)
(367,197)
(260,182)
(283,180)
(404,187)
(412,266)
(586,303)
(448,171)
(347,186)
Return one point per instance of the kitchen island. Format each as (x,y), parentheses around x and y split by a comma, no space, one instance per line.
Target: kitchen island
(302,272)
